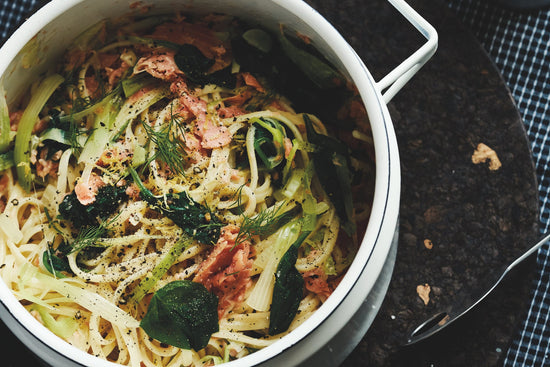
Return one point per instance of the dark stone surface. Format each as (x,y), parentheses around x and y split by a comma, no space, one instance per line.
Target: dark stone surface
(477,219)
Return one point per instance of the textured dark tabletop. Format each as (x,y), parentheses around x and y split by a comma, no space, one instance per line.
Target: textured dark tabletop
(475,219)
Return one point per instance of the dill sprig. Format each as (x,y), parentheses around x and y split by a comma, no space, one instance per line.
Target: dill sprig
(90,235)
(170,148)
(263,224)
(73,135)
(259,225)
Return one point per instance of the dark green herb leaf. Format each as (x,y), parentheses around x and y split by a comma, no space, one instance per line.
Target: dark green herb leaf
(192,217)
(192,62)
(195,65)
(195,219)
(55,264)
(182,314)
(223,78)
(331,159)
(108,199)
(288,289)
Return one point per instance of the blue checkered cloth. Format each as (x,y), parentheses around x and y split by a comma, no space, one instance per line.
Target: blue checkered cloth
(519,44)
(13,12)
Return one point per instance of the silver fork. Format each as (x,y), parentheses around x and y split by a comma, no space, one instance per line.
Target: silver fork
(465,303)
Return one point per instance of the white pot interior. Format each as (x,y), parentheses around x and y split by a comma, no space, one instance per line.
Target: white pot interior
(46,35)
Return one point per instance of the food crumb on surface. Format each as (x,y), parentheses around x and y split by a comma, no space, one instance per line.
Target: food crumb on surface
(428,244)
(423,291)
(483,154)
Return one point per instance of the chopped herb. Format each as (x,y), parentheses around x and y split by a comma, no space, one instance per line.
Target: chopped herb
(108,199)
(192,62)
(195,219)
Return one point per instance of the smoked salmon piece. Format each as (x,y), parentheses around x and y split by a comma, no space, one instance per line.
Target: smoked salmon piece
(226,271)
(316,282)
(87,191)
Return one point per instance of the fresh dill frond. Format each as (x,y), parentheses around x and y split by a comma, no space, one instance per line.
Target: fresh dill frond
(170,148)
(90,235)
(73,135)
(265,223)
(80,103)
(97,94)
(259,225)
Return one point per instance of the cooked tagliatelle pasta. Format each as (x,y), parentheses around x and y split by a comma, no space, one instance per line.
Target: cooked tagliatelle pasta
(176,193)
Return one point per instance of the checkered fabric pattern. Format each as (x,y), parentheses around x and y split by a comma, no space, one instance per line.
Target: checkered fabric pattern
(519,44)
(12,13)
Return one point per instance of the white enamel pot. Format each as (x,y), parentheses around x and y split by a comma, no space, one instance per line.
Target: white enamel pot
(335,329)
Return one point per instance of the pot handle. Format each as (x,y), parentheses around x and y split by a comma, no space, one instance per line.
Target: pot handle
(398,77)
